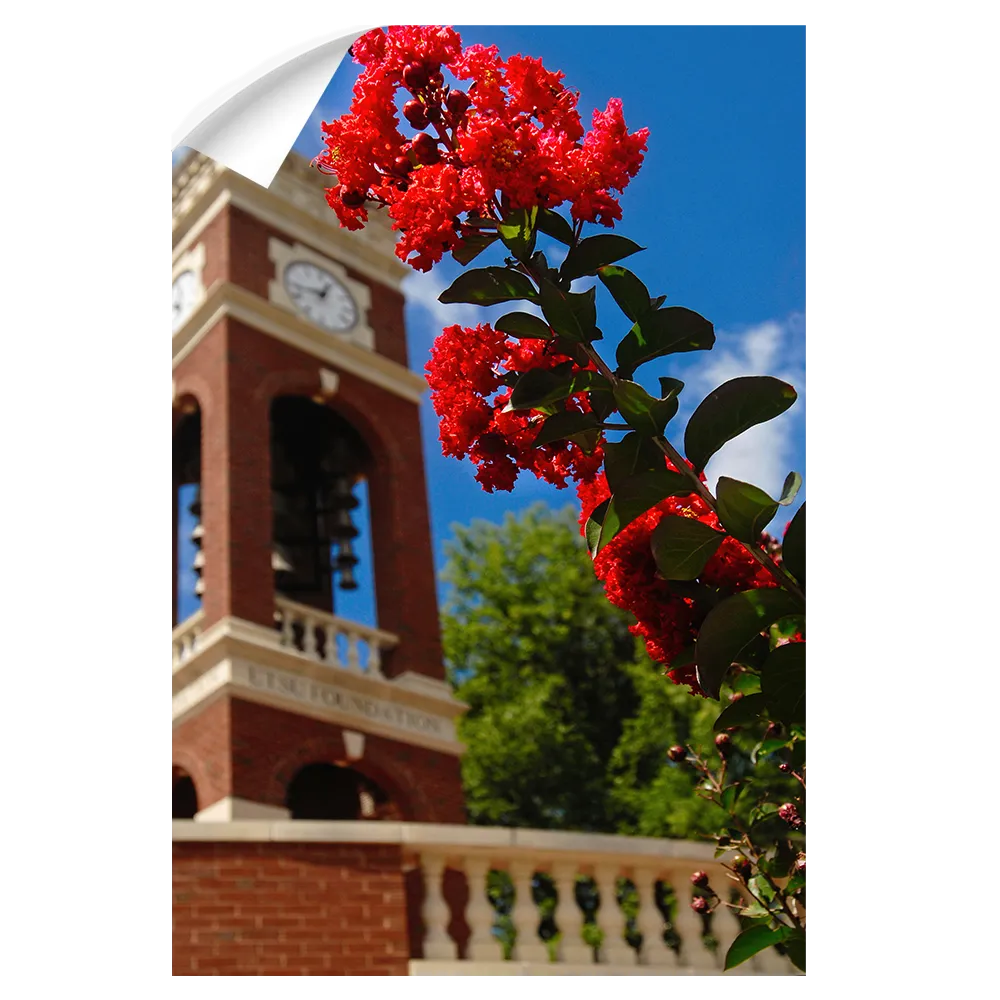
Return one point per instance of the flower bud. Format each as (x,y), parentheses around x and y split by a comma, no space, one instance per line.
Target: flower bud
(699,904)
(800,863)
(352,199)
(402,165)
(677,754)
(741,866)
(415,76)
(415,113)
(457,102)
(435,78)
(433,112)
(425,148)
(699,879)
(736,696)
(724,744)
(790,815)
(773,731)
(784,767)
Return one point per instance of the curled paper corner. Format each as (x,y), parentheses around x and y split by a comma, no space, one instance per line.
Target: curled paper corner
(251,125)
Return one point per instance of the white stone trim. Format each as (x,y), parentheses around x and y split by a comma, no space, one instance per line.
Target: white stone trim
(283,254)
(354,744)
(234,808)
(225,299)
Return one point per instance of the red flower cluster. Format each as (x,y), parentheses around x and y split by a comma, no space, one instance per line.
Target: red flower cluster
(628,570)
(465,374)
(514,139)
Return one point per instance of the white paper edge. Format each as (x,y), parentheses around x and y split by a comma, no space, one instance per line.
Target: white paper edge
(250,125)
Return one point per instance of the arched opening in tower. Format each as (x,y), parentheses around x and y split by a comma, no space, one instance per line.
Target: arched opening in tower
(185,795)
(188,556)
(330,792)
(321,541)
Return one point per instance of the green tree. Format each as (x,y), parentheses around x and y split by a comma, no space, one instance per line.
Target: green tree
(569,721)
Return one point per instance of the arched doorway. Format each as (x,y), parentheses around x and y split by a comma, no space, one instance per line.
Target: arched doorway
(330,792)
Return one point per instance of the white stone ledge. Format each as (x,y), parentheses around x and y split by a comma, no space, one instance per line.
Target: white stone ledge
(424,967)
(439,838)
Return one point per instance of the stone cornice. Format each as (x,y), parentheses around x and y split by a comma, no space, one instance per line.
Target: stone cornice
(225,299)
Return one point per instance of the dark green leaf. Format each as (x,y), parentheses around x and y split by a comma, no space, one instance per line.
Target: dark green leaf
(769,746)
(753,940)
(642,411)
(795,883)
(634,497)
(731,409)
(472,245)
(729,797)
(744,509)
(791,488)
(486,286)
(564,425)
(522,324)
(518,231)
(627,290)
(667,331)
(554,225)
(747,683)
(754,653)
(761,888)
(682,546)
(540,386)
(670,386)
(634,453)
(731,625)
(783,681)
(795,948)
(793,548)
(739,713)
(594,525)
(572,315)
(595,252)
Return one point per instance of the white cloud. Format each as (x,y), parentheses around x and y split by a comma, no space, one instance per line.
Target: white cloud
(422,290)
(763,455)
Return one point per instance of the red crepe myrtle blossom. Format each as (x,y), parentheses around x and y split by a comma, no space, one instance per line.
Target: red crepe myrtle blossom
(666,620)
(514,139)
(465,375)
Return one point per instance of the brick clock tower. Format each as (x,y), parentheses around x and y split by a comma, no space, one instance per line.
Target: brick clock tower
(292,399)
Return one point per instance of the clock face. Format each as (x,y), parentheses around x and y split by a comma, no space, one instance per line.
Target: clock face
(185,295)
(318,295)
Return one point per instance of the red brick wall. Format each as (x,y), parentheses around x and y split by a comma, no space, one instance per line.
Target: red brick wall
(273,909)
(253,751)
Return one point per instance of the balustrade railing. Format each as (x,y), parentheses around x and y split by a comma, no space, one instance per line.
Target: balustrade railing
(331,640)
(185,638)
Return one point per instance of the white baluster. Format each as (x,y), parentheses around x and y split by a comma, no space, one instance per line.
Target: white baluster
(688,924)
(725,923)
(435,913)
(479,914)
(332,654)
(287,635)
(615,950)
(569,917)
(374,657)
(177,654)
(650,923)
(353,658)
(528,946)
(309,636)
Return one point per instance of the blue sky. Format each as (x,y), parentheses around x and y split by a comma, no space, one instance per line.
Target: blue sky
(719,203)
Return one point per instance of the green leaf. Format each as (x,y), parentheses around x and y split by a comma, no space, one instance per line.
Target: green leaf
(791,488)
(796,882)
(594,526)
(541,386)
(739,713)
(761,888)
(783,682)
(731,625)
(518,231)
(670,386)
(667,331)
(793,548)
(769,746)
(642,411)
(744,509)
(729,797)
(747,683)
(754,653)
(731,409)
(554,225)
(591,254)
(522,324)
(627,290)
(682,546)
(486,286)
(472,245)
(795,948)
(634,497)
(753,940)
(572,315)
(565,425)
(634,453)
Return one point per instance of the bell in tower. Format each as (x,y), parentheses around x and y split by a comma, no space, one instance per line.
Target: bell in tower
(316,458)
